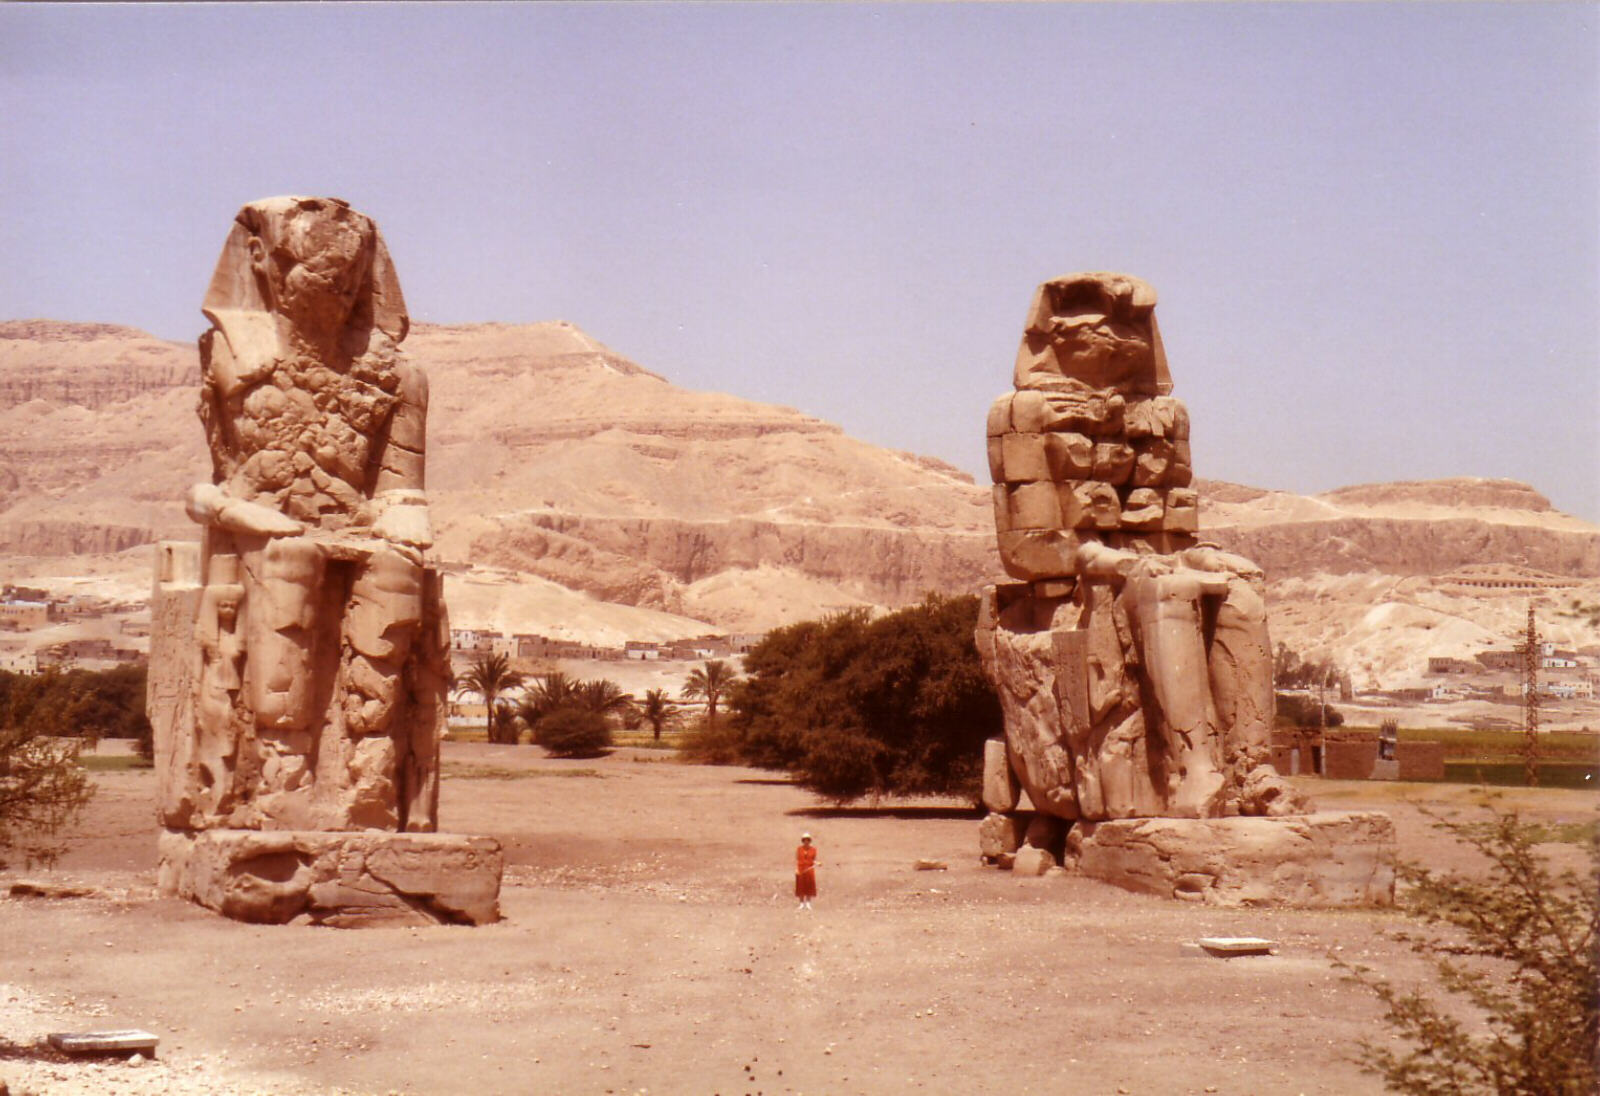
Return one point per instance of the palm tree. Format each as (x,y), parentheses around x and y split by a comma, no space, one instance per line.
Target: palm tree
(657,709)
(551,691)
(603,697)
(491,674)
(710,682)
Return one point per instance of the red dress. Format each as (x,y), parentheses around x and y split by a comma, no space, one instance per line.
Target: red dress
(805,872)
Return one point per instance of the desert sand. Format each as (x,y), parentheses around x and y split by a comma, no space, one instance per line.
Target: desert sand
(650,944)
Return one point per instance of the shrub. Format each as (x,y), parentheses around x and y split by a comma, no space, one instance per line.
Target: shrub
(573,732)
(42,789)
(1530,972)
(712,745)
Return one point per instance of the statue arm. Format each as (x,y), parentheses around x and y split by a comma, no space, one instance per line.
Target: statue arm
(400,505)
(209,504)
(1209,557)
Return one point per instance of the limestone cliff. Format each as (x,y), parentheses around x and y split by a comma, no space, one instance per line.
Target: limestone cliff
(553,455)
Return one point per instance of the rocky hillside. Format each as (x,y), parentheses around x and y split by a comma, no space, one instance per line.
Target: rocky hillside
(579,494)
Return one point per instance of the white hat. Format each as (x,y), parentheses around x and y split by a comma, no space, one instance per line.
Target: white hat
(805,837)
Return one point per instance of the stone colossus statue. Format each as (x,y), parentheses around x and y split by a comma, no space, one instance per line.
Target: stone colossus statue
(1132,661)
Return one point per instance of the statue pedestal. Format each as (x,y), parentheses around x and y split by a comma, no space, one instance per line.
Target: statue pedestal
(346,880)
(1325,860)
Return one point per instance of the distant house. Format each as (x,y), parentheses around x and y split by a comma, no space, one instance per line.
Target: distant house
(1556,662)
(1500,660)
(1453,666)
(472,640)
(641,650)
(744,642)
(24,616)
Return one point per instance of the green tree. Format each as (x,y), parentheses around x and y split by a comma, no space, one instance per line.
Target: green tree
(657,709)
(489,676)
(711,682)
(854,706)
(1523,956)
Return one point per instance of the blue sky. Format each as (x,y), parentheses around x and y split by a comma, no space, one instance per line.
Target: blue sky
(1374,229)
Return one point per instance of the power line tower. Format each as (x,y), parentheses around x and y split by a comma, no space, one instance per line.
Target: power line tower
(1530,702)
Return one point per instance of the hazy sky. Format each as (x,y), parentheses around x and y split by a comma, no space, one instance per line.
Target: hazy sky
(1375,230)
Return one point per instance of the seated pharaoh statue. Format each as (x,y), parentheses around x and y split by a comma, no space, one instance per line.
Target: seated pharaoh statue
(320,671)
(1131,659)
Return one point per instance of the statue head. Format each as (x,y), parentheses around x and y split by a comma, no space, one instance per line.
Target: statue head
(311,267)
(1094,330)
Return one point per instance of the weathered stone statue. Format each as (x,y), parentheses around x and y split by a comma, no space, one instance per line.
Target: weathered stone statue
(1132,660)
(299,661)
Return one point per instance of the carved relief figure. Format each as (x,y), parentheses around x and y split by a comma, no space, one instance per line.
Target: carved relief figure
(322,670)
(1132,661)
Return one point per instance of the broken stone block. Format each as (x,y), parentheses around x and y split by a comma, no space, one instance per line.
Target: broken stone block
(999,783)
(1034,506)
(1002,508)
(345,880)
(1069,456)
(1032,861)
(1000,833)
(1113,462)
(1031,554)
(1028,412)
(1329,859)
(1022,458)
(1144,509)
(1182,514)
(1000,415)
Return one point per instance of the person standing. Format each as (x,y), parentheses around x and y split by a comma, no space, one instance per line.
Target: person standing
(805,872)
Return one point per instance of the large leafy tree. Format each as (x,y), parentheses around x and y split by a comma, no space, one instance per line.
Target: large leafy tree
(490,675)
(854,706)
(710,681)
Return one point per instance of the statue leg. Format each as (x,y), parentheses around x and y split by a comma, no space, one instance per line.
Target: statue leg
(382,621)
(1241,676)
(282,601)
(1172,639)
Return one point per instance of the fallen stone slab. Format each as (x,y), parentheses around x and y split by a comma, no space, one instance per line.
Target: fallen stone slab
(1324,860)
(1227,947)
(931,865)
(33,888)
(345,880)
(130,1041)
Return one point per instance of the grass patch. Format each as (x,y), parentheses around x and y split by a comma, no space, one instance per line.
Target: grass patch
(1565,833)
(461,771)
(112,763)
(644,739)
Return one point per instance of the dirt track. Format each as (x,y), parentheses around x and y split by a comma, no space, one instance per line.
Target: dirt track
(650,944)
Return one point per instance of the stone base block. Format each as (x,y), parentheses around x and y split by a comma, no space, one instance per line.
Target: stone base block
(347,880)
(1330,859)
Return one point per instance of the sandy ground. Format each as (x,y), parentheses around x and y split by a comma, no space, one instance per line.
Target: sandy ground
(650,944)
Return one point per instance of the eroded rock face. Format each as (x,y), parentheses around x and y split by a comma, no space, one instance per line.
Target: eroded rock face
(299,652)
(1132,661)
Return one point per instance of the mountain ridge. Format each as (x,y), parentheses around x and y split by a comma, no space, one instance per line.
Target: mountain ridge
(556,458)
